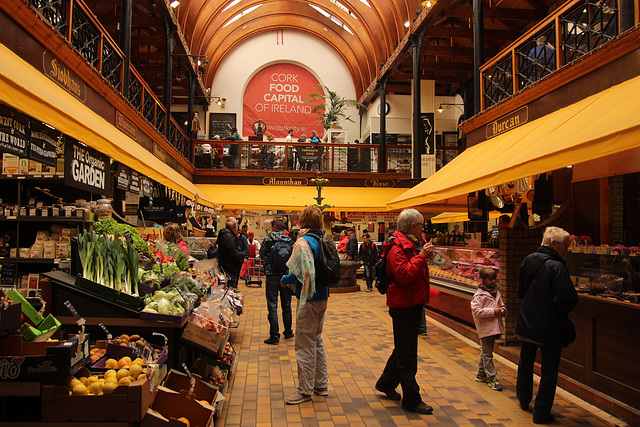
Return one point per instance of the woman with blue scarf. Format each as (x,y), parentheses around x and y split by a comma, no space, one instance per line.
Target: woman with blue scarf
(312,305)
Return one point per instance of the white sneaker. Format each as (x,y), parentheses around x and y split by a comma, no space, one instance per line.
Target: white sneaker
(296,398)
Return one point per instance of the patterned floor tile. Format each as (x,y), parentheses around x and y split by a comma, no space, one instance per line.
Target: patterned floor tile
(358,339)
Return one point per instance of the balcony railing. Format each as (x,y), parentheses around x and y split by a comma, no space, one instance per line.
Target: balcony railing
(572,31)
(250,155)
(95,45)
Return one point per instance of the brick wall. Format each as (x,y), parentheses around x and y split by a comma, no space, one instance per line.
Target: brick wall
(515,245)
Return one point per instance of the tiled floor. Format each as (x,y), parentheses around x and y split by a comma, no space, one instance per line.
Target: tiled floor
(358,339)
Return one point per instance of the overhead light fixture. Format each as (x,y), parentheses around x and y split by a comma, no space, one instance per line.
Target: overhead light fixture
(428,3)
(406,24)
(220,101)
(448,105)
(174,3)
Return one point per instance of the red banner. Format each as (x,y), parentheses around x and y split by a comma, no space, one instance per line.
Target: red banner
(275,95)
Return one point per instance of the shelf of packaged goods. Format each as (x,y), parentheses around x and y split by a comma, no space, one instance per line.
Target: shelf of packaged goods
(30,261)
(462,290)
(57,219)
(48,177)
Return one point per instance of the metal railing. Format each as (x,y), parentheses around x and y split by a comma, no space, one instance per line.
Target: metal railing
(575,29)
(95,45)
(250,155)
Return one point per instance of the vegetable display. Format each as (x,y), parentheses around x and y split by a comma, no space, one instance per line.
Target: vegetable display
(109,262)
(109,226)
(161,302)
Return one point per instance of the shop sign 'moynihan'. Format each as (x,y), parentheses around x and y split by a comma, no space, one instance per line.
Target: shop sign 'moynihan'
(285,182)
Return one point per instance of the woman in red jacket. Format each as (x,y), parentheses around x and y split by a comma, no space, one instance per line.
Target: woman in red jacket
(407,257)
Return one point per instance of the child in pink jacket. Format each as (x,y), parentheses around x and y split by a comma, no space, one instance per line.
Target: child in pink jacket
(488,310)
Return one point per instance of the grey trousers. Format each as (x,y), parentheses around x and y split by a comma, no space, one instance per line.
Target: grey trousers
(310,352)
(485,363)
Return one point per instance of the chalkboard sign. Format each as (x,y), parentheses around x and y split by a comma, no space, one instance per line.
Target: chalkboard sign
(221,124)
(310,154)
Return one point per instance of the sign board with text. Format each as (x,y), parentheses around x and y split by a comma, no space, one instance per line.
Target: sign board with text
(85,168)
(14,128)
(276,95)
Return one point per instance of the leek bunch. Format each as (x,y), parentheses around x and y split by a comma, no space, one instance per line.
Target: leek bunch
(109,262)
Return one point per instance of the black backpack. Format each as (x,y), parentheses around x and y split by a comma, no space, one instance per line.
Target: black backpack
(383,280)
(328,264)
(279,255)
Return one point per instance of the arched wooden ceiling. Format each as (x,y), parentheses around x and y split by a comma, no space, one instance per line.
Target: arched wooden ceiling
(376,36)
(375,30)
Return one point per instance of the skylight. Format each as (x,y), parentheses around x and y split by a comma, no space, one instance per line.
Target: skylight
(365,2)
(333,18)
(233,3)
(343,7)
(241,14)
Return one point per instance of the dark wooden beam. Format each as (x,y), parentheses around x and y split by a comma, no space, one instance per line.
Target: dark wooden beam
(467,33)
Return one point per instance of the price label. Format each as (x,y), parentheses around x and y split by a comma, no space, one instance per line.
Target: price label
(127,236)
(142,351)
(79,320)
(222,321)
(182,294)
(106,331)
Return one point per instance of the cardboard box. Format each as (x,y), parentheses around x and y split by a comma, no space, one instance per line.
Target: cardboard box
(23,166)
(126,403)
(115,351)
(10,164)
(170,405)
(35,168)
(37,361)
(9,318)
(177,381)
(204,338)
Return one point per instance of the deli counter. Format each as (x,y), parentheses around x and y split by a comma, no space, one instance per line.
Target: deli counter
(454,275)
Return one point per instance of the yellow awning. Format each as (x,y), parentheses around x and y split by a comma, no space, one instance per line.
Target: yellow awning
(356,199)
(446,217)
(28,90)
(595,127)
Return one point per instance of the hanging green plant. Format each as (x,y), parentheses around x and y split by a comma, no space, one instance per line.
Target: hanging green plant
(332,109)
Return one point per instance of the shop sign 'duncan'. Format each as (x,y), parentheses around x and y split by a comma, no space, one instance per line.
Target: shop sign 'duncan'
(85,168)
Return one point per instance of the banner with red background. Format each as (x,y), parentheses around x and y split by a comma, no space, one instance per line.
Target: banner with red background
(275,95)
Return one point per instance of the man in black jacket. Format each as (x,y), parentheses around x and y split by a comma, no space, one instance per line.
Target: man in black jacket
(547,296)
(231,257)
(352,245)
(368,254)
(272,287)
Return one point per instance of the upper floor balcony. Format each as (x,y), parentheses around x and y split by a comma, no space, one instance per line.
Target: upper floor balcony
(562,39)
(213,156)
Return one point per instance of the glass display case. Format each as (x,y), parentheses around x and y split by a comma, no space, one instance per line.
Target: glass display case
(610,276)
(457,268)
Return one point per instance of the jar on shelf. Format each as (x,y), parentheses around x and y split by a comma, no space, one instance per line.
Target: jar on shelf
(103,208)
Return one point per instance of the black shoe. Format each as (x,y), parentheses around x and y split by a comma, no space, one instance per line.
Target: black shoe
(524,406)
(391,394)
(287,336)
(272,341)
(422,408)
(544,419)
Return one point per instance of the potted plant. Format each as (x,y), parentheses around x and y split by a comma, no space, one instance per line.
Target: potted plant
(332,108)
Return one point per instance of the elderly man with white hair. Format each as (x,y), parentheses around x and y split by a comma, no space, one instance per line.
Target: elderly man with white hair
(548,295)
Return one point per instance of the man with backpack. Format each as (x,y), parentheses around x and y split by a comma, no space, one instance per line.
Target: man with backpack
(275,252)
(368,254)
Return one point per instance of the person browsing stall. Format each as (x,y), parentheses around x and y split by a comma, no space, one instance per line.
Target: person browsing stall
(407,294)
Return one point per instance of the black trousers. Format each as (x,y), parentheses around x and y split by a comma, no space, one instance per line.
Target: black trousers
(548,379)
(402,365)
